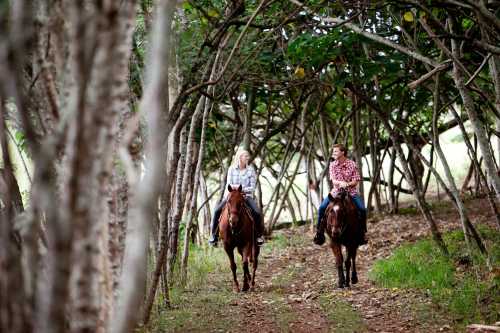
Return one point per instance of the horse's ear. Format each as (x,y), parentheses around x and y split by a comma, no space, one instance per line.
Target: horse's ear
(330,196)
(229,188)
(240,188)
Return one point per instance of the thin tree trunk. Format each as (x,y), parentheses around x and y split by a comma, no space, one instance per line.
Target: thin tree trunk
(13,312)
(475,165)
(284,196)
(476,122)
(422,205)
(464,219)
(148,190)
(357,144)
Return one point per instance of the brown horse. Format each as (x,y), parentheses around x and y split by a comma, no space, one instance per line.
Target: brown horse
(343,228)
(237,230)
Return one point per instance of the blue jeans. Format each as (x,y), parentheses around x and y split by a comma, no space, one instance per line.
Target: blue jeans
(253,208)
(358,202)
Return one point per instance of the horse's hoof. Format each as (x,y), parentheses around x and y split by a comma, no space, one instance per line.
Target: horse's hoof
(354,279)
(245,288)
(236,289)
(319,239)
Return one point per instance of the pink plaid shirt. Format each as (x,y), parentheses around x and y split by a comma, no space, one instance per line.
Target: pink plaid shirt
(346,171)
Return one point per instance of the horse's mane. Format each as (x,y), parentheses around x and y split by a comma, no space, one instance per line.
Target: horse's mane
(341,212)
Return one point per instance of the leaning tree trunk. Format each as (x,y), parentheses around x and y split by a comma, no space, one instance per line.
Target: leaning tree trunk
(477,124)
(199,113)
(464,219)
(14,314)
(205,106)
(475,165)
(358,147)
(419,198)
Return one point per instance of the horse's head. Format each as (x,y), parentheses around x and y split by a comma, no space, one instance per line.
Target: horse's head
(235,201)
(338,215)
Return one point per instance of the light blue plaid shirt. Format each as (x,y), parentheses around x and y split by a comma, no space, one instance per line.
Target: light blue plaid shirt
(246,178)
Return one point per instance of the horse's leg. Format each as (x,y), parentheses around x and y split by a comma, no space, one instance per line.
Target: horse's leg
(255,263)
(348,266)
(354,277)
(230,254)
(337,252)
(246,271)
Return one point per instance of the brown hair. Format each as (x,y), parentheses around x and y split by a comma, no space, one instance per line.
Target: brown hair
(341,147)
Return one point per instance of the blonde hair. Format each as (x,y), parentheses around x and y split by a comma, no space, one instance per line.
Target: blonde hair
(237,156)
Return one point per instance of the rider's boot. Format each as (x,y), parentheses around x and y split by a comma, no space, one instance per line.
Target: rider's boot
(260,230)
(363,239)
(214,235)
(319,238)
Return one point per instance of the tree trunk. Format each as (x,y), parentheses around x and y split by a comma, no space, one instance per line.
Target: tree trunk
(147,191)
(477,124)
(464,219)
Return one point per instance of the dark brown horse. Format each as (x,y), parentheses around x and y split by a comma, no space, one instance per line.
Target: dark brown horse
(237,230)
(343,228)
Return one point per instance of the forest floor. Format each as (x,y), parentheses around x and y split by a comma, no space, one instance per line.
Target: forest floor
(296,285)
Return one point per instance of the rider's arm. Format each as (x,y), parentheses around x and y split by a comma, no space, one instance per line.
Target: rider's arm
(229,180)
(355,176)
(252,179)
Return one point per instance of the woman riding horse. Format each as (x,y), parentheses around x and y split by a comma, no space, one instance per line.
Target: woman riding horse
(343,174)
(240,173)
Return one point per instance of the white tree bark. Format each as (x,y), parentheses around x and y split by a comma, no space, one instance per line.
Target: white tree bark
(146,191)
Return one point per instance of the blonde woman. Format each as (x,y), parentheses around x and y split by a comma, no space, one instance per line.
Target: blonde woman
(240,173)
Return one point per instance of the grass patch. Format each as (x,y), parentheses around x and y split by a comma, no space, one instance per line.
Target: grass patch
(451,282)
(437,207)
(281,311)
(281,242)
(280,281)
(202,304)
(342,318)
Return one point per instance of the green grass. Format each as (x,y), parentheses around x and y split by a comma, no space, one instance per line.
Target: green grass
(451,282)
(282,312)
(282,241)
(208,291)
(342,318)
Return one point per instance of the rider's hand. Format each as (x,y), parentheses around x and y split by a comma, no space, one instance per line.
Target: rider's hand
(343,184)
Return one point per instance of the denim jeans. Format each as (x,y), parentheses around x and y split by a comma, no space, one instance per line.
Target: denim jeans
(253,208)
(358,202)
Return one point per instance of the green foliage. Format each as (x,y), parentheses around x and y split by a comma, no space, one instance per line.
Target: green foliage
(311,50)
(451,282)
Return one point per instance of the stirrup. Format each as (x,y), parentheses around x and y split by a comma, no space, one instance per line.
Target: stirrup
(213,241)
(260,240)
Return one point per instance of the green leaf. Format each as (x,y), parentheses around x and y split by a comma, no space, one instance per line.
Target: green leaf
(408,16)
(467,23)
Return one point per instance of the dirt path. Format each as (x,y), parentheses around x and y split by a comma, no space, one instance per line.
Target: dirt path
(296,287)
(297,291)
